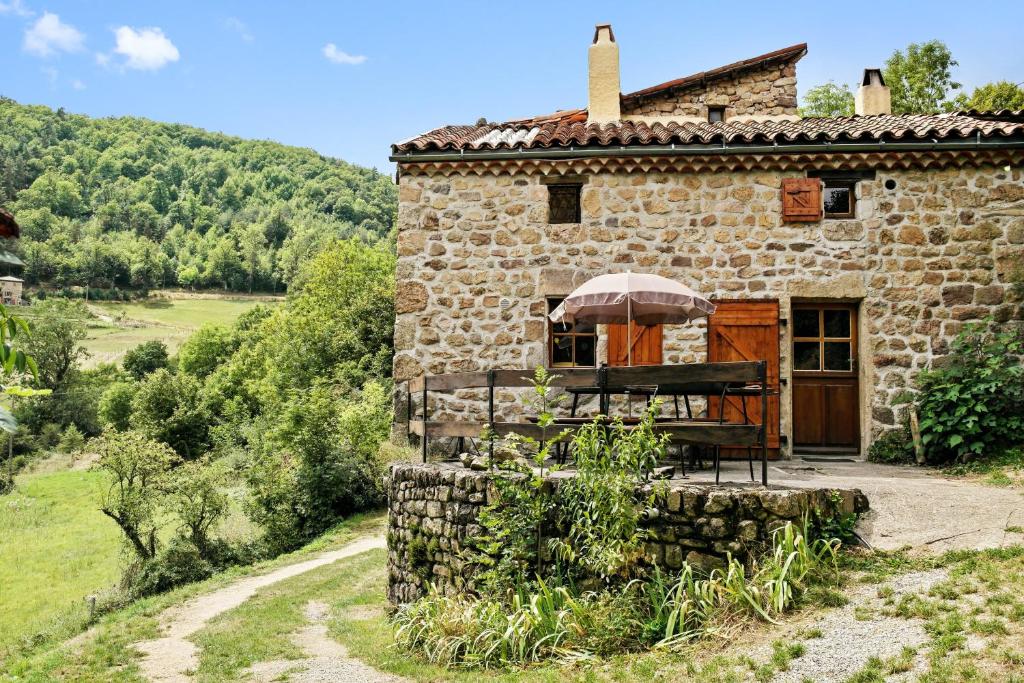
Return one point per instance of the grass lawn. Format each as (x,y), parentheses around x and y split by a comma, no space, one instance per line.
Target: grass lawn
(167,318)
(56,547)
(106,656)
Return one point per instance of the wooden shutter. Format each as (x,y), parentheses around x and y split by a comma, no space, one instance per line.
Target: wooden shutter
(747,331)
(646,345)
(801,199)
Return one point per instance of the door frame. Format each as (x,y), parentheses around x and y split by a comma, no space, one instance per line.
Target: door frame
(856,374)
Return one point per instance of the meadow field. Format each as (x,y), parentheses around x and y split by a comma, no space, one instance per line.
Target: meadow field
(170,317)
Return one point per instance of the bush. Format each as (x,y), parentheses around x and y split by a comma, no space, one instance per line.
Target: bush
(145,358)
(170,408)
(72,440)
(179,563)
(320,466)
(973,405)
(115,409)
(894,446)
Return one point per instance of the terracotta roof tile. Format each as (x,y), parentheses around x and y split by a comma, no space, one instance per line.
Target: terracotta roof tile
(566,129)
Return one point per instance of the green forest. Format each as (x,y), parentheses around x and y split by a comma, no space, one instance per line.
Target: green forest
(131,203)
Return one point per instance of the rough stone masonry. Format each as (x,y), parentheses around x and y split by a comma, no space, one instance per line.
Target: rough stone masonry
(925,253)
(434,511)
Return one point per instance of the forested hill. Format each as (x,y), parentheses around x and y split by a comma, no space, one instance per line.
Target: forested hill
(129,202)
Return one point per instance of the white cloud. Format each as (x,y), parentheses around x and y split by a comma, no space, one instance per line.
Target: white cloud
(102,58)
(332,53)
(239,27)
(146,49)
(77,84)
(51,74)
(15,7)
(49,35)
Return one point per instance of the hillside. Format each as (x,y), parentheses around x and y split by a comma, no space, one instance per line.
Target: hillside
(129,202)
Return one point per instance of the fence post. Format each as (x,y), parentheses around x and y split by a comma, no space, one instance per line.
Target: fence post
(490,418)
(602,384)
(423,443)
(762,370)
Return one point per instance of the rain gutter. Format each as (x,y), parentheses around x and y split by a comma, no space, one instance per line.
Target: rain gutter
(724,148)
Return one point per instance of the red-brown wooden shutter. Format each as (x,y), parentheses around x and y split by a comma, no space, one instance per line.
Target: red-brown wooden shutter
(747,331)
(801,199)
(646,345)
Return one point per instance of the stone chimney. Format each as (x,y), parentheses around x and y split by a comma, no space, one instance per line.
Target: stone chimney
(603,105)
(873,95)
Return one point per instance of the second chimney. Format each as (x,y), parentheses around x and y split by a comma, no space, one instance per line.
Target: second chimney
(603,104)
(873,95)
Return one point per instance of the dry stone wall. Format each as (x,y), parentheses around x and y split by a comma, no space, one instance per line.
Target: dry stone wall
(434,509)
(477,257)
(762,92)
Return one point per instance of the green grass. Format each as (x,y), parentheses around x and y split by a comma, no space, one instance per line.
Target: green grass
(168,319)
(56,547)
(106,655)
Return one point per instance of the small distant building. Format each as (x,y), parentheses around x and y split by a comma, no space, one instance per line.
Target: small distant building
(10,290)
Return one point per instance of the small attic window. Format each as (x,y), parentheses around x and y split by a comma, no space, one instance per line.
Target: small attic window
(564,203)
(716,114)
(839,198)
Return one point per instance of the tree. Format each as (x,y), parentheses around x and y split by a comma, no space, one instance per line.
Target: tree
(115,409)
(994,97)
(57,332)
(920,79)
(188,276)
(145,358)
(197,497)
(208,347)
(828,100)
(169,408)
(137,469)
(222,263)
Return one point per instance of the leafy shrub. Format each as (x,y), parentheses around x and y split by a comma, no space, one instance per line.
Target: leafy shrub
(115,408)
(663,610)
(973,404)
(893,446)
(320,466)
(169,408)
(145,358)
(179,563)
(72,440)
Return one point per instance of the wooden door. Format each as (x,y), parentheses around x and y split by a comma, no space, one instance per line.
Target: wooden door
(826,412)
(646,345)
(747,331)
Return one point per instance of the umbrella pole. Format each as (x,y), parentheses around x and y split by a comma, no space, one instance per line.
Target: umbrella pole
(629,331)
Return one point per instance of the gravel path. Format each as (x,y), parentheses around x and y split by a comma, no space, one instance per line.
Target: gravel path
(847,642)
(327,660)
(170,658)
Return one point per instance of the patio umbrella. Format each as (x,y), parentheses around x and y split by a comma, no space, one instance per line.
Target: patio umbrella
(625,298)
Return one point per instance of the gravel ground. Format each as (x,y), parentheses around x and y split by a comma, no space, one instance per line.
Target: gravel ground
(327,660)
(846,642)
(168,659)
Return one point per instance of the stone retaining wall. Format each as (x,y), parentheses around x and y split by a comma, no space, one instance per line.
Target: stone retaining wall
(434,510)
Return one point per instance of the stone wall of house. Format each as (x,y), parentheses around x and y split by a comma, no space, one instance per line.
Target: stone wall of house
(476,259)
(768,91)
(434,509)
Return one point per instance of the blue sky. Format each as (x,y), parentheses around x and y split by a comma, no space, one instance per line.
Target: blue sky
(350,78)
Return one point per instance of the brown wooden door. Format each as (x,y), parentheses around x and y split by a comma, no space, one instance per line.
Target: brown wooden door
(826,413)
(747,331)
(646,345)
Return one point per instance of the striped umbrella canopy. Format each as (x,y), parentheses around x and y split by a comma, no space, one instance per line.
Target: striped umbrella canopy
(627,298)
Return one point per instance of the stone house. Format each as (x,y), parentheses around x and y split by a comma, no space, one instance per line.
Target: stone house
(846,251)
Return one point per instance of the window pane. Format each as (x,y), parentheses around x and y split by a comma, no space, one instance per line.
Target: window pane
(805,323)
(716,114)
(837,323)
(585,350)
(806,356)
(563,204)
(561,351)
(837,199)
(837,356)
(561,328)
(585,327)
